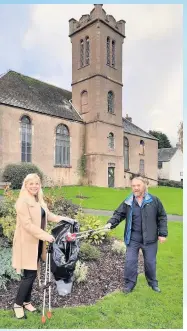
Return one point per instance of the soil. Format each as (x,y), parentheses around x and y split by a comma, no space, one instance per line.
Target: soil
(81,197)
(105,275)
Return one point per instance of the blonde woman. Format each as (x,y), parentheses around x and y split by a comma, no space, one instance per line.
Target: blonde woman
(29,238)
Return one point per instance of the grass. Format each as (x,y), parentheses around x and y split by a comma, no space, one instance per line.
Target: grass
(142,309)
(109,198)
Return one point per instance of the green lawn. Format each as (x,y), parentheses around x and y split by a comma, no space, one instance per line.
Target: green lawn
(109,198)
(142,309)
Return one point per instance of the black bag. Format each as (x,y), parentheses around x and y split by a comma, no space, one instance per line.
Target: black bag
(64,254)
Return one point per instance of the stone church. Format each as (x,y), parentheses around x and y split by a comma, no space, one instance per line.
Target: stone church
(78,136)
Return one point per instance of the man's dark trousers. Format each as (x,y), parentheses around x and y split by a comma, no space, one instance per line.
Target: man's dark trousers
(131,263)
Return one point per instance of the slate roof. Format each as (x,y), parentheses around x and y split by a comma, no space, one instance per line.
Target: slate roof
(165,154)
(131,128)
(31,94)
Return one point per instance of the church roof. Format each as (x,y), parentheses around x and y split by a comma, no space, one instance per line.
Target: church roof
(165,154)
(31,94)
(131,128)
(28,93)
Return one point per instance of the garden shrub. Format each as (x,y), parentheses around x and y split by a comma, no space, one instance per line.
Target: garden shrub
(8,215)
(7,273)
(15,173)
(118,247)
(89,222)
(80,272)
(170,183)
(89,252)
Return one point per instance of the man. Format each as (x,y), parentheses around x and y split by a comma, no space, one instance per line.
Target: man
(146,224)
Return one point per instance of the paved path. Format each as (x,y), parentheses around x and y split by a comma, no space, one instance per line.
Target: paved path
(109,214)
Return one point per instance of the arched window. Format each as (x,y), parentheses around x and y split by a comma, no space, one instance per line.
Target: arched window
(87,51)
(84,102)
(126,153)
(26,139)
(113,53)
(142,167)
(142,147)
(62,149)
(108,51)
(82,53)
(111,102)
(111,140)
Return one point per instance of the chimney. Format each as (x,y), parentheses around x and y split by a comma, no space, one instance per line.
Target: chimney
(128,118)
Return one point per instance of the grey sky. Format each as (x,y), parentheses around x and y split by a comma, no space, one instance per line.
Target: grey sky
(35,42)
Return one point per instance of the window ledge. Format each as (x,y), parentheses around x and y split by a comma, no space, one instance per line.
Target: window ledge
(62,166)
(84,66)
(110,66)
(111,113)
(142,154)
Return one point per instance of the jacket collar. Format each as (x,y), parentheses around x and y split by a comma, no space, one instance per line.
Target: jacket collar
(28,198)
(129,199)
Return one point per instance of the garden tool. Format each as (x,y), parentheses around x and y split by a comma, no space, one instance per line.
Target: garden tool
(47,285)
(84,234)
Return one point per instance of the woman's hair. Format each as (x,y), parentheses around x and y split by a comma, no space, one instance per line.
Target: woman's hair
(28,178)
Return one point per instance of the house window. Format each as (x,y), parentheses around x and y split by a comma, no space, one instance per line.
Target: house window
(111,140)
(160,164)
(87,50)
(84,102)
(62,148)
(108,51)
(111,102)
(81,53)
(26,139)
(126,153)
(142,147)
(142,167)
(113,53)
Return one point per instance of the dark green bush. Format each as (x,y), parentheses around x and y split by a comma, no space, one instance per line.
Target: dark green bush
(7,273)
(89,252)
(15,173)
(65,207)
(170,183)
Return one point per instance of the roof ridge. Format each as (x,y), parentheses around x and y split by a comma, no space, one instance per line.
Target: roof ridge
(131,123)
(36,79)
(30,93)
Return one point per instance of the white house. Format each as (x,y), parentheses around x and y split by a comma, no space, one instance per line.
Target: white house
(170,164)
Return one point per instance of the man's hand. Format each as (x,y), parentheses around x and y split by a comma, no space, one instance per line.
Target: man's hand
(162,239)
(108,226)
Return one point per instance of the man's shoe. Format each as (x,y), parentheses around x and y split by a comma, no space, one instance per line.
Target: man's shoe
(156,289)
(127,290)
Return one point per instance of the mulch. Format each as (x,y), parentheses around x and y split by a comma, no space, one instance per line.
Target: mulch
(105,275)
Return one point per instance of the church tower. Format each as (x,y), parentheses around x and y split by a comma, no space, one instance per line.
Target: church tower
(97,40)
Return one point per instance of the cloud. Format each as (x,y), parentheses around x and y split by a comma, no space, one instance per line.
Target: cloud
(152,57)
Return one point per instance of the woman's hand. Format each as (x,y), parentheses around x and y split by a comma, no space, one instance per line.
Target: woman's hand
(50,238)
